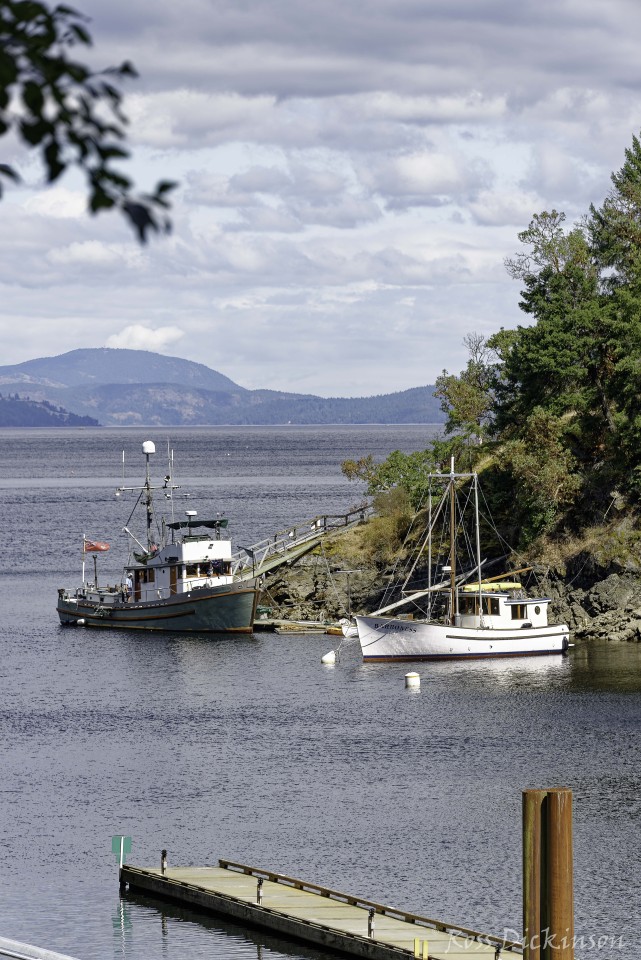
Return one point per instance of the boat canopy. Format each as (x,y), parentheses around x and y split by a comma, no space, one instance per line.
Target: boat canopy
(191,524)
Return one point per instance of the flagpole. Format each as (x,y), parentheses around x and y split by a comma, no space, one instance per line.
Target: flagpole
(84,537)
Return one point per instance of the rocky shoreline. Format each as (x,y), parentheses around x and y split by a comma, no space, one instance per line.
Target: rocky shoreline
(597,603)
(604,608)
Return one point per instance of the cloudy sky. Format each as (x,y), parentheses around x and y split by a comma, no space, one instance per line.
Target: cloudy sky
(352,175)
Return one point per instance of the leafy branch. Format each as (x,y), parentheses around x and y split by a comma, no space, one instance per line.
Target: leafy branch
(71,116)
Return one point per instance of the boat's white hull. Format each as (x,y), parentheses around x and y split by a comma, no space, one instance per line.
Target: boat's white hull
(384,638)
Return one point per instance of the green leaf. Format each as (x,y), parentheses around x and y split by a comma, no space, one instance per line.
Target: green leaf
(112,92)
(127,69)
(34,133)
(33,98)
(164,187)
(78,72)
(66,11)
(110,176)
(7,171)
(81,35)
(8,69)
(111,152)
(140,218)
(100,200)
(52,158)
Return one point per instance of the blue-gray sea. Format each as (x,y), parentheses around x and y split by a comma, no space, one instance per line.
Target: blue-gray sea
(251,749)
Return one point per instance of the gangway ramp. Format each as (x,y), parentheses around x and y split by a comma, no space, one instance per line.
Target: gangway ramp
(294,542)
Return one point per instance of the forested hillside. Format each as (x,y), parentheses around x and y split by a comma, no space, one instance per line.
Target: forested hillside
(550,413)
(15,412)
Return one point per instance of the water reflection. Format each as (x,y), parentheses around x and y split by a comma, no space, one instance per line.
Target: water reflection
(603,665)
(191,929)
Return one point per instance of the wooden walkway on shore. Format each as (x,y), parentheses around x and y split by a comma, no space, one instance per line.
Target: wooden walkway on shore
(305,911)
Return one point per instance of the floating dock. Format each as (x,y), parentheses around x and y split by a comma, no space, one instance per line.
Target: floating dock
(318,915)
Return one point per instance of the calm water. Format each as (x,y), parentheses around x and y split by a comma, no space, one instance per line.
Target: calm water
(251,749)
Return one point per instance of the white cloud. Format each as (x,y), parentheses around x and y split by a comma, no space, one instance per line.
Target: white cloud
(91,253)
(509,206)
(57,203)
(186,118)
(138,337)
(465,107)
(429,177)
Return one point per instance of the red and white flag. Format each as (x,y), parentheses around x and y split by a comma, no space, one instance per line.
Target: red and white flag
(95,546)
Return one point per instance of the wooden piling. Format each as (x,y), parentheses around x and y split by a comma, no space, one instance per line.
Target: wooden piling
(560,896)
(548,901)
(532,845)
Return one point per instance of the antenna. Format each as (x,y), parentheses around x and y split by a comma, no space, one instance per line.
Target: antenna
(169,480)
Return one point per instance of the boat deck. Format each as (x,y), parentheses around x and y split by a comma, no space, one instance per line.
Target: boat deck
(305,911)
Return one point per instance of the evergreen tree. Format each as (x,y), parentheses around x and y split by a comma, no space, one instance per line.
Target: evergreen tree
(467,399)
(615,227)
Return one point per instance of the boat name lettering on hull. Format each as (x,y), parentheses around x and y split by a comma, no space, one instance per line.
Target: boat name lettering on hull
(400,627)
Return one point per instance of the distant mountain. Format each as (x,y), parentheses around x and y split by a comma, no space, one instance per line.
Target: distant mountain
(15,412)
(80,368)
(130,387)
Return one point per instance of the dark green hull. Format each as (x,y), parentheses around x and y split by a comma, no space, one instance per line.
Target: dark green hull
(227,609)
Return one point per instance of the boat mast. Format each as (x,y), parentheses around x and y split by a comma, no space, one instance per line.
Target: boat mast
(478,544)
(148,448)
(429,549)
(452,546)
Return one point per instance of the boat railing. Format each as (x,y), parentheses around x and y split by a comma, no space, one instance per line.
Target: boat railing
(287,544)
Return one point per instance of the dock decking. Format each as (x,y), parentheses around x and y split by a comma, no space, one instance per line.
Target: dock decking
(318,915)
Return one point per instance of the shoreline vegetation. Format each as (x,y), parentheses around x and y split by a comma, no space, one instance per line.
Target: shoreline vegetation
(549,416)
(598,597)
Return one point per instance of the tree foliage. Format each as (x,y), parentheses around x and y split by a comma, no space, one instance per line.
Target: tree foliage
(467,399)
(69,115)
(543,471)
(557,402)
(615,227)
(568,395)
(406,471)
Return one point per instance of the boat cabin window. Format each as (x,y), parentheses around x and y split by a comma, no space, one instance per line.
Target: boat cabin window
(469,606)
(216,568)
(209,568)
(146,576)
(519,611)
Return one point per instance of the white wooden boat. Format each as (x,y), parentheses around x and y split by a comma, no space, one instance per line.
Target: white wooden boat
(460,615)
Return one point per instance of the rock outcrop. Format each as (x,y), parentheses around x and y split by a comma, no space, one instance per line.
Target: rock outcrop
(606,609)
(596,602)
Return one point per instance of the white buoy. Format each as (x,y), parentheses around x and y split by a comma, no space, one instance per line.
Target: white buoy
(412,680)
(329,657)
(80,622)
